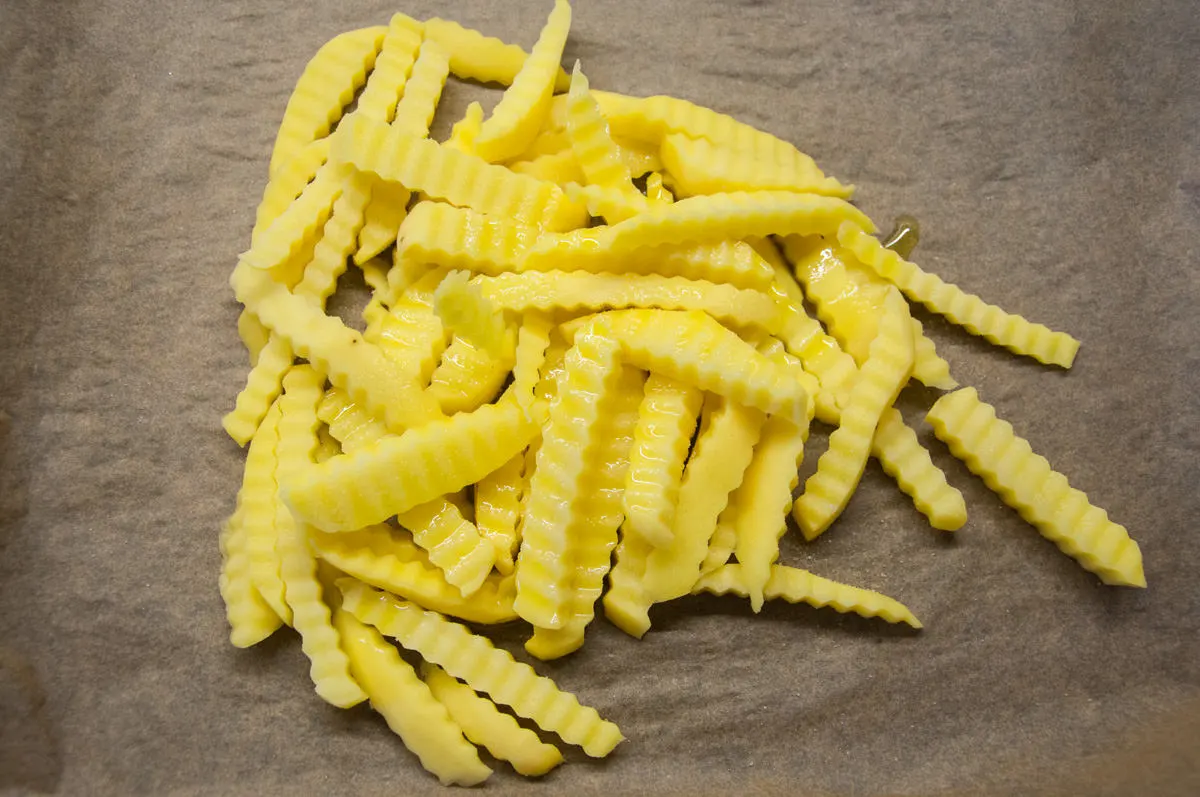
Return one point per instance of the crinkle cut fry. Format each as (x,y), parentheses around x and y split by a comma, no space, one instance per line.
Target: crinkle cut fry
(258,502)
(699,166)
(329,669)
(388,559)
(461,238)
(452,542)
(460,178)
(485,725)
(839,469)
(484,668)
(411,710)
(349,424)
(1026,482)
(474,56)
(498,508)
(800,586)
(518,116)
(397,473)
(326,86)
(571,445)
(967,310)
(903,458)
(387,81)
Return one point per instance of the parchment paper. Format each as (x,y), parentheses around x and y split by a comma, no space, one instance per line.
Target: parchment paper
(1050,150)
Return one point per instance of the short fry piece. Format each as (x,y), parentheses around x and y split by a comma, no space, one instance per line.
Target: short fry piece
(906,460)
(411,710)
(484,668)
(800,586)
(498,509)
(452,542)
(487,726)
(1026,482)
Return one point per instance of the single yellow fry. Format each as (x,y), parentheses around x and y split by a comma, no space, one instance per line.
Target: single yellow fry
(349,424)
(839,469)
(484,668)
(411,710)
(460,178)
(904,459)
(397,473)
(485,725)
(666,422)
(763,502)
(518,116)
(253,334)
(800,586)
(468,376)
(329,667)
(1026,482)
(929,368)
(694,349)
(579,292)
(498,508)
(461,238)
(724,538)
(326,86)
(597,154)
(288,183)
(258,502)
(452,542)
(699,219)
(251,618)
(591,552)
(279,242)
(699,166)
(571,447)
(412,335)
(626,604)
(533,339)
(387,558)
(723,451)
(392,68)
(354,365)
(474,56)
(967,310)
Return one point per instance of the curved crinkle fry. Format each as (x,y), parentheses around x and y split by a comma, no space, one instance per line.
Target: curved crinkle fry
(319,280)
(474,56)
(329,667)
(349,424)
(722,453)
(397,473)
(459,178)
(839,469)
(466,130)
(693,348)
(251,620)
(591,552)
(607,202)
(533,339)
(597,154)
(904,459)
(576,292)
(354,365)
(1026,482)
(800,586)
(484,668)
(468,376)
(967,310)
(408,705)
(382,557)
(326,86)
(518,116)
(279,242)
(468,313)
(258,501)
(498,508)
(414,115)
(288,183)
(558,490)
(699,166)
(763,502)
(485,725)
(461,238)
(395,62)
(452,542)
(701,219)
(666,422)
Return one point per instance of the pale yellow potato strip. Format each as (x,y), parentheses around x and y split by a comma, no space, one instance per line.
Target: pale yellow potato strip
(498,509)
(258,504)
(474,56)
(452,542)
(699,166)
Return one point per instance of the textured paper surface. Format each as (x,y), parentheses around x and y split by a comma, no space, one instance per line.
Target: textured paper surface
(1050,150)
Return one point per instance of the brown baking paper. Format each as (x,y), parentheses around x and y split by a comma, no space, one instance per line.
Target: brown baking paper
(1049,150)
